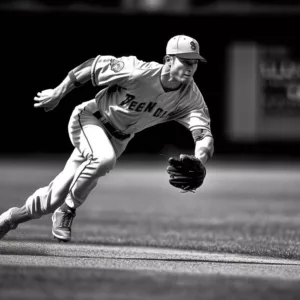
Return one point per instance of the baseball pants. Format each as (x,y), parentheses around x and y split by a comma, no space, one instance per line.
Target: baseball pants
(94,155)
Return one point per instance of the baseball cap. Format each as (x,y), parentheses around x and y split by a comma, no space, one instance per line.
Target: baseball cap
(185,47)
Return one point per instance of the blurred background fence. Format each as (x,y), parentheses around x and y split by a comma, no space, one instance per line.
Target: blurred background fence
(251,82)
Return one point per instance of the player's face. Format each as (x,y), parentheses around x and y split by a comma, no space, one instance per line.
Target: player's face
(183,69)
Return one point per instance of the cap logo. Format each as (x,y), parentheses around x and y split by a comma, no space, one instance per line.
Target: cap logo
(193,45)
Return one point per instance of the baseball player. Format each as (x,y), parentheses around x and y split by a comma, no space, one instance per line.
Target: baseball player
(136,95)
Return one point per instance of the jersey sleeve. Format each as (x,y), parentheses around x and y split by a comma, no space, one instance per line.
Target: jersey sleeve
(197,118)
(109,70)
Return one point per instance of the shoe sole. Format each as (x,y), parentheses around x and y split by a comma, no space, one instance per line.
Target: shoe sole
(60,238)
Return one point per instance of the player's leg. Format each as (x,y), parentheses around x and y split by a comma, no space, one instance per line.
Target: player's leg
(94,144)
(44,200)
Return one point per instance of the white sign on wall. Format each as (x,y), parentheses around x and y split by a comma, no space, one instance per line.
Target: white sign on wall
(263,100)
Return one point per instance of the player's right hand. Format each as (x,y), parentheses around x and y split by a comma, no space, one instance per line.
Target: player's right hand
(48,99)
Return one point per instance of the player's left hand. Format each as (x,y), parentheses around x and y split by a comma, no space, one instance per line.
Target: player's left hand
(186,172)
(48,99)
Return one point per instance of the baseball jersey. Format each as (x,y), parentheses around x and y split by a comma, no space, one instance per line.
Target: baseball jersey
(134,98)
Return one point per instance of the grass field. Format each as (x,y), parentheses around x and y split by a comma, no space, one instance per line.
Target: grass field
(245,211)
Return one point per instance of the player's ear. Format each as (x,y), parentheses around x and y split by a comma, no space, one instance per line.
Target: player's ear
(167,59)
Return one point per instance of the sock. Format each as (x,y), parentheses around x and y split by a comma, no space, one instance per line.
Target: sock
(20,215)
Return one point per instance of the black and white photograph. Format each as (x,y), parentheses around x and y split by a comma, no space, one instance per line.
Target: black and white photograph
(150,150)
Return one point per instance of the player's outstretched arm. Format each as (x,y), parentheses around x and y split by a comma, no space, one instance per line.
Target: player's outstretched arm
(50,98)
(204,149)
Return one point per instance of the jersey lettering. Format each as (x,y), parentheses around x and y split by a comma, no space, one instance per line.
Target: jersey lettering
(140,107)
(165,112)
(127,99)
(132,105)
(150,106)
(157,112)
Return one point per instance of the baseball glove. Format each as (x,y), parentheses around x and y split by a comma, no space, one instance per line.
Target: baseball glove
(186,172)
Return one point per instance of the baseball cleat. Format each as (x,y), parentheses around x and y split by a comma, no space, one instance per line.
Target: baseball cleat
(61,224)
(60,240)
(6,223)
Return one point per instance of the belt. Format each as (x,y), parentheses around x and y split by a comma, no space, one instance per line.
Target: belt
(112,130)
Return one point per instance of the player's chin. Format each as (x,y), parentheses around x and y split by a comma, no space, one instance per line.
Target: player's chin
(185,79)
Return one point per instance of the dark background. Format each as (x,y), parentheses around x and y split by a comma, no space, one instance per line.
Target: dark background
(38,48)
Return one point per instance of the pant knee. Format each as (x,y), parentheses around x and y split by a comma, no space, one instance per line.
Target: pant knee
(103,165)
